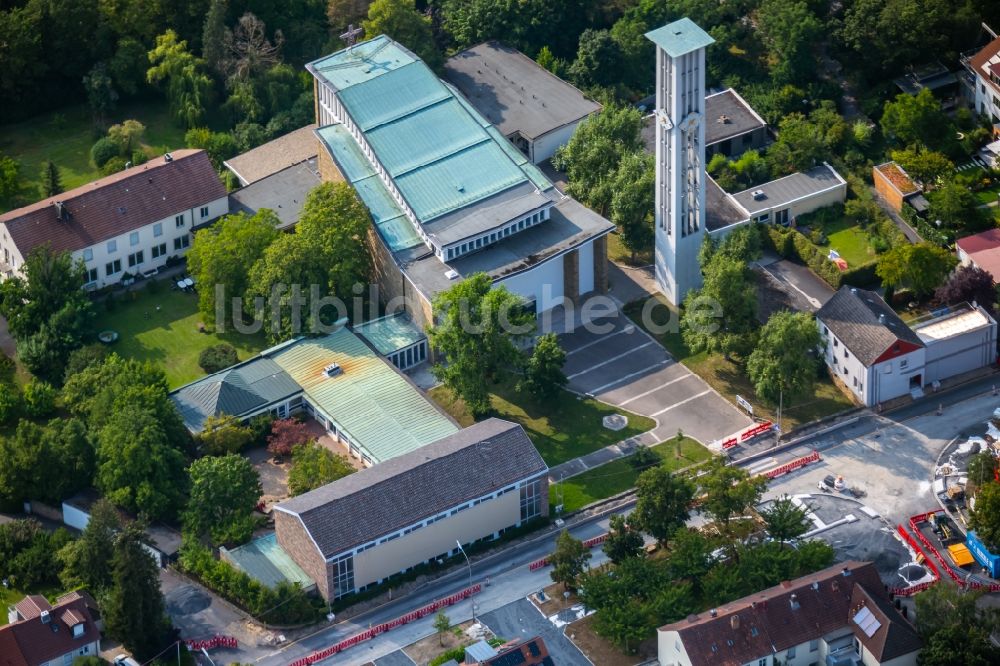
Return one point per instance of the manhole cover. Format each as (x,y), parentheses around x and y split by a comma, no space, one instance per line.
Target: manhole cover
(615,422)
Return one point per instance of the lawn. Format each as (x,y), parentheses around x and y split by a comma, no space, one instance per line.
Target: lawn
(563,428)
(729,379)
(65,137)
(850,241)
(618,254)
(168,337)
(619,475)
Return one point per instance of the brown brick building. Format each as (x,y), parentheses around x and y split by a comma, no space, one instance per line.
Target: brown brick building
(469,486)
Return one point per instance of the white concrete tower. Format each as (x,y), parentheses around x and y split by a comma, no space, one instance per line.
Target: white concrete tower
(680,155)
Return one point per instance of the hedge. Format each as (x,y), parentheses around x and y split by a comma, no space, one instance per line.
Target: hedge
(286,604)
(791,244)
(928,232)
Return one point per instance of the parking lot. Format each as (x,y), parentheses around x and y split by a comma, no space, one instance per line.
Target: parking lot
(627,368)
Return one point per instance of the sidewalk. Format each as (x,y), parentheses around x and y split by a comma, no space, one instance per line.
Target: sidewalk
(599,457)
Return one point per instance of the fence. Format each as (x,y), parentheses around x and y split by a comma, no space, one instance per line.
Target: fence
(213,642)
(913,589)
(798,463)
(589,543)
(967,584)
(432,607)
(747,434)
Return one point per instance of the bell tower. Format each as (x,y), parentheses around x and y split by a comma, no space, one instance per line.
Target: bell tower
(680,155)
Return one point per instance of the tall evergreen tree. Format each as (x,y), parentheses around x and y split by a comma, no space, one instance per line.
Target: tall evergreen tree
(51,179)
(213,35)
(134,610)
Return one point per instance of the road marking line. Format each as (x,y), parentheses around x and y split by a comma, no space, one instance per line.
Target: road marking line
(682,402)
(812,301)
(626,378)
(610,360)
(628,329)
(653,390)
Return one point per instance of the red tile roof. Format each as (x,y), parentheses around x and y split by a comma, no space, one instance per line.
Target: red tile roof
(32,606)
(117,204)
(893,637)
(984,251)
(32,642)
(768,622)
(979,61)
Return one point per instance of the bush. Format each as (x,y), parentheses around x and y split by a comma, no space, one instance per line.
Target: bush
(112,166)
(458,654)
(84,357)
(285,604)
(10,404)
(39,398)
(7,368)
(102,151)
(217,357)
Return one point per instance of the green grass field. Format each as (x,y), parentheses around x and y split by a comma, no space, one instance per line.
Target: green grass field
(168,337)
(850,241)
(619,475)
(65,137)
(730,380)
(564,428)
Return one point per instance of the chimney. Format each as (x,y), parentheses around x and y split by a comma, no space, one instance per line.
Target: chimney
(734,622)
(713,612)
(793,602)
(845,572)
(881,319)
(46,618)
(786,584)
(815,586)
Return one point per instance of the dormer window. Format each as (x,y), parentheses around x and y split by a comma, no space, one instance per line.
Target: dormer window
(78,630)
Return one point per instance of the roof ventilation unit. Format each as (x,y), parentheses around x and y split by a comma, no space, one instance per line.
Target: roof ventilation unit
(451,274)
(333,370)
(46,618)
(758,195)
(723,119)
(167,157)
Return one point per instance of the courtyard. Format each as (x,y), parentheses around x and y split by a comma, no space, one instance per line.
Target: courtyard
(160,325)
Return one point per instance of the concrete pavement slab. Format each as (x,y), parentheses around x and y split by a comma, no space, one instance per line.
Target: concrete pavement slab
(523,620)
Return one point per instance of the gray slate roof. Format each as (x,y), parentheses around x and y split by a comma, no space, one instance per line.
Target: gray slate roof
(275,155)
(405,490)
(864,323)
(283,192)
(721,209)
(236,391)
(514,92)
(741,119)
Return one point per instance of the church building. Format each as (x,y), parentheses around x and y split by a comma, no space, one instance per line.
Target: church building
(449,195)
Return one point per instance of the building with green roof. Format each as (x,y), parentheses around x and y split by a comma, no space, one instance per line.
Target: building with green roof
(361,399)
(449,194)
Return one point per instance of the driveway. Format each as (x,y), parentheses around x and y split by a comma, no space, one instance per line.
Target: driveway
(625,367)
(523,620)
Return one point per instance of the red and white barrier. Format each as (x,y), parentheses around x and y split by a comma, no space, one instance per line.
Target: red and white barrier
(972,585)
(589,543)
(213,642)
(798,463)
(747,434)
(432,607)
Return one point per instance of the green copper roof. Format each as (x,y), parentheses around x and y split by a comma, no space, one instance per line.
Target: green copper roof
(370,400)
(680,37)
(390,333)
(391,222)
(362,62)
(439,152)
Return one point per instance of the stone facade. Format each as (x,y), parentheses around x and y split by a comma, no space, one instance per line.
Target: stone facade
(294,539)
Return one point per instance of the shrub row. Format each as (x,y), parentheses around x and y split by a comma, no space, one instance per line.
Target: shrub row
(790,244)
(286,604)
(927,231)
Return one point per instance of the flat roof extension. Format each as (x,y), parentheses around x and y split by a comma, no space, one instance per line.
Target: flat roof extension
(514,92)
(784,191)
(283,192)
(275,155)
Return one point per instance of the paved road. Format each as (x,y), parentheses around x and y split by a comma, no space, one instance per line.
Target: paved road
(806,290)
(625,367)
(510,582)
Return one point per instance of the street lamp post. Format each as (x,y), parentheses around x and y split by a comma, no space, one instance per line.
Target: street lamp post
(469,563)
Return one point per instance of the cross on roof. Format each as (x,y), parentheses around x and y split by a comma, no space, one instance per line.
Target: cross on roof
(351,36)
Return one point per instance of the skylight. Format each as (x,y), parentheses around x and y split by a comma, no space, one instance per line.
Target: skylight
(867,622)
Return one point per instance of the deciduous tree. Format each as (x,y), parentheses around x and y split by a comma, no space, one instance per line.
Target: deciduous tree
(916,119)
(598,60)
(101,93)
(400,20)
(927,166)
(785,520)
(956,207)
(442,624)
(922,267)
(784,360)
(313,466)
(800,146)
(10,178)
(662,502)
(633,201)
(543,374)
(569,560)
(985,518)
(623,541)
(729,491)
(285,435)
(789,29)
(224,434)
(722,315)
(189,88)
(968,284)
(224,492)
(223,254)
(477,331)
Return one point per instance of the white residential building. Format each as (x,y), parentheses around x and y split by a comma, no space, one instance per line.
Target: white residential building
(126,224)
(985,69)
